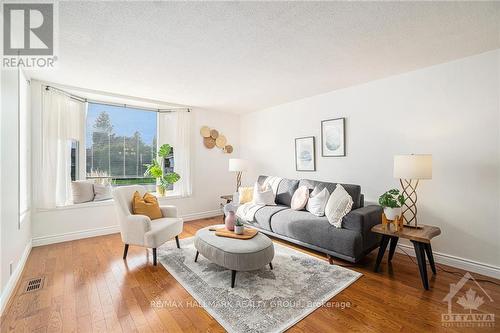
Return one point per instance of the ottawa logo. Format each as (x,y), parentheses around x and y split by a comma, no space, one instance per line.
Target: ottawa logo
(463,294)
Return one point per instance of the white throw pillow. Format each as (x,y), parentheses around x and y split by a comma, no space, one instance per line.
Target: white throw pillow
(102,192)
(82,191)
(317,201)
(338,206)
(263,196)
(299,198)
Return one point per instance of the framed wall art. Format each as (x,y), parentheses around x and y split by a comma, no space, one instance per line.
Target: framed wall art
(305,154)
(333,137)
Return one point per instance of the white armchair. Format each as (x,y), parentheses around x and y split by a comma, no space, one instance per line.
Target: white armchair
(141,230)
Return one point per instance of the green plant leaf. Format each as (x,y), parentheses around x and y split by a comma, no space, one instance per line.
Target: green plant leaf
(171,177)
(153,170)
(164,150)
(391,199)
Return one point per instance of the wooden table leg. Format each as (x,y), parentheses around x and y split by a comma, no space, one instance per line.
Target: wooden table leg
(428,250)
(392,247)
(420,254)
(383,245)
(233,277)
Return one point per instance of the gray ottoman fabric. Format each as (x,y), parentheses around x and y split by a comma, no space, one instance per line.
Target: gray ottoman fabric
(234,254)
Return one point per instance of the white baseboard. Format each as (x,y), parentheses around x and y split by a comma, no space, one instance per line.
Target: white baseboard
(14,278)
(201,215)
(52,239)
(69,236)
(457,262)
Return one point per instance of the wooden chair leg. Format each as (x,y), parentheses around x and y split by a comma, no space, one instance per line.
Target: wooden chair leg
(125,251)
(154,256)
(177,241)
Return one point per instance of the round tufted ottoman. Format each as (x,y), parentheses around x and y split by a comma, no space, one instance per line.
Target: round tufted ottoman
(234,254)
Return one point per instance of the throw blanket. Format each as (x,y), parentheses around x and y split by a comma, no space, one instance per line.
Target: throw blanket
(247,211)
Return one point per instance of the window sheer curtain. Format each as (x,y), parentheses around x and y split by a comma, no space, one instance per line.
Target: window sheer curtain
(63,120)
(174,128)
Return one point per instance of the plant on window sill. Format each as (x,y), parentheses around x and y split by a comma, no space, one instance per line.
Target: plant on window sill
(155,170)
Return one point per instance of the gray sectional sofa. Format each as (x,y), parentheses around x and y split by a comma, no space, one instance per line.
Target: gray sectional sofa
(351,242)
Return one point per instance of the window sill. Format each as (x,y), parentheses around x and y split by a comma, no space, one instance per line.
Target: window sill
(109,202)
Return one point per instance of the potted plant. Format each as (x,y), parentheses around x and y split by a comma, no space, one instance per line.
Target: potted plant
(239,228)
(392,201)
(155,170)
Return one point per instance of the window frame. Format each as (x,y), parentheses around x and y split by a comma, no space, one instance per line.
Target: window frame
(150,187)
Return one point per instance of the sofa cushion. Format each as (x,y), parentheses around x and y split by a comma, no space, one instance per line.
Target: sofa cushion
(299,198)
(82,190)
(353,190)
(262,218)
(307,228)
(286,189)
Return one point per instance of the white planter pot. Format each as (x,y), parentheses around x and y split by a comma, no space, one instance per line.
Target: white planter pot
(392,213)
(239,229)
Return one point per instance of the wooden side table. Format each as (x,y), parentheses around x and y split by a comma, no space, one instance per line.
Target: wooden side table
(228,198)
(421,239)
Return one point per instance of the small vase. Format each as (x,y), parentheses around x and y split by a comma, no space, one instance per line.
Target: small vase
(230,219)
(239,229)
(392,213)
(160,191)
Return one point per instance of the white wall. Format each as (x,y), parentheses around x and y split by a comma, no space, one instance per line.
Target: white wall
(15,239)
(450,111)
(210,179)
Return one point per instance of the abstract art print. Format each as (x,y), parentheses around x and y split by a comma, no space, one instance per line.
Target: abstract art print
(333,137)
(305,154)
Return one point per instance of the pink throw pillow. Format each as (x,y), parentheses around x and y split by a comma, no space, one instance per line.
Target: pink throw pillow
(299,198)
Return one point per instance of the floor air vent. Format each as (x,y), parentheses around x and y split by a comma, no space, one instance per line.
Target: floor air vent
(33,285)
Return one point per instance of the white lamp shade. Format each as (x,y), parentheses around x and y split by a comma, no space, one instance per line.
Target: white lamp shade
(413,166)
(237,164)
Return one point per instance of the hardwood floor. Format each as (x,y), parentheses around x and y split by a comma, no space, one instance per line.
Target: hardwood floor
(90,288)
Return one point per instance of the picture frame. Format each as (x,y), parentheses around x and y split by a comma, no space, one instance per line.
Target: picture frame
(305,154)
(333,137)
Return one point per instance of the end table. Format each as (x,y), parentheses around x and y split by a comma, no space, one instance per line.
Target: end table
(421,239)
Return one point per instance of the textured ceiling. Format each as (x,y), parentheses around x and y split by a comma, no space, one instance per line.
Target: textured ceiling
(245,56)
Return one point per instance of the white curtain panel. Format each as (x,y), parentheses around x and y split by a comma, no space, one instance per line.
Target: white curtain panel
(182,153)
(174,128)
(63,120)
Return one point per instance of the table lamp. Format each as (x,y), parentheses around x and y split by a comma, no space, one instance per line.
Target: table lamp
(237,165)
(409,169)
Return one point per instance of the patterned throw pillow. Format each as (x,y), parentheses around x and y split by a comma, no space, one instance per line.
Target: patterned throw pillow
(245,194)
(147,205)
(299,198)
(338,206)
(317,201)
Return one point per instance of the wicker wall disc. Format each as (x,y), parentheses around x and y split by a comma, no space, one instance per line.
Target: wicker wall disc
(214,134)
(209,142)
(205,131)
(228,149)
(221,141)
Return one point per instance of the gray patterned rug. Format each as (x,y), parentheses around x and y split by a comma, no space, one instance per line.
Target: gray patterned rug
(261,301)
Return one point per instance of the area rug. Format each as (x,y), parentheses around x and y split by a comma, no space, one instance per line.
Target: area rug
(261,301)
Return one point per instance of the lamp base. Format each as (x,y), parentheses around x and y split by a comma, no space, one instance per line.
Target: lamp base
(411,226)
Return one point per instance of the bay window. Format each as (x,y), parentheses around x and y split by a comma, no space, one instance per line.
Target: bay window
(108,144)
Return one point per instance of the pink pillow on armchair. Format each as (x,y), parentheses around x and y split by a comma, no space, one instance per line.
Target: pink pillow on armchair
(299,198)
